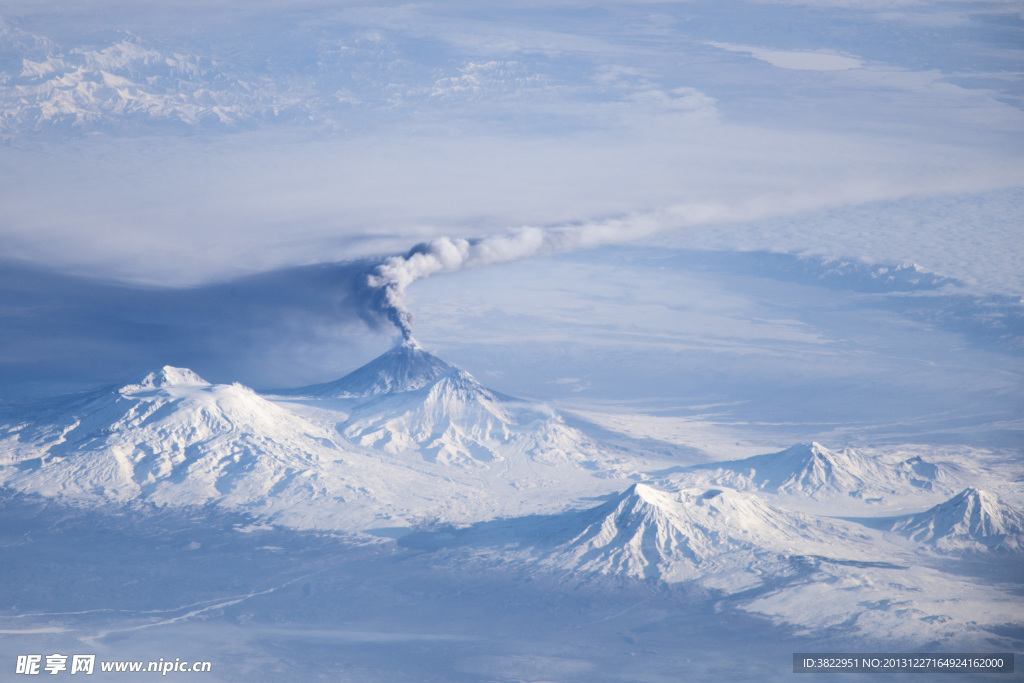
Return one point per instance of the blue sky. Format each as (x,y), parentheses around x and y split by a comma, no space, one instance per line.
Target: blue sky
(168,149)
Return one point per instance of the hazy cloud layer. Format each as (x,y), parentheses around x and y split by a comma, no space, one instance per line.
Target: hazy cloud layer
(183,143)
(65,333)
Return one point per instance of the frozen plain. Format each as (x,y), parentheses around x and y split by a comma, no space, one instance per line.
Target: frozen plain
(423,527)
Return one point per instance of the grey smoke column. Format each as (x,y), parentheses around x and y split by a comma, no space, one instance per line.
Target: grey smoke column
(446,254)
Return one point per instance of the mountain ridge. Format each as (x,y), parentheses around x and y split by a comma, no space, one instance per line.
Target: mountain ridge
(813,471)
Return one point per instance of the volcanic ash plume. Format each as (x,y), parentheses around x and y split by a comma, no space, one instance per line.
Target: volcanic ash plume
(446,254)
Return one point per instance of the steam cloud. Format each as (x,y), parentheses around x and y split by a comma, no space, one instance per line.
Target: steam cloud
(390,279)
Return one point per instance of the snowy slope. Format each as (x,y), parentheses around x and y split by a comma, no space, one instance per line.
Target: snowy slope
(813,471)
(453,419)
(971,521)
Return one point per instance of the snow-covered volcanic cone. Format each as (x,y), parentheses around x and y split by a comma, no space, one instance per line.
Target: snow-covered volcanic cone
(971,521)
(408,401)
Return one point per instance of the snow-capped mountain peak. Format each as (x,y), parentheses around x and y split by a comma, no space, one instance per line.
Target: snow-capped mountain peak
(408,401)
(456,389)
(719,535)
(808,469)
(812,467)
(972,520)
(453,418)
(648,494)
(167,376)
(405,367)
